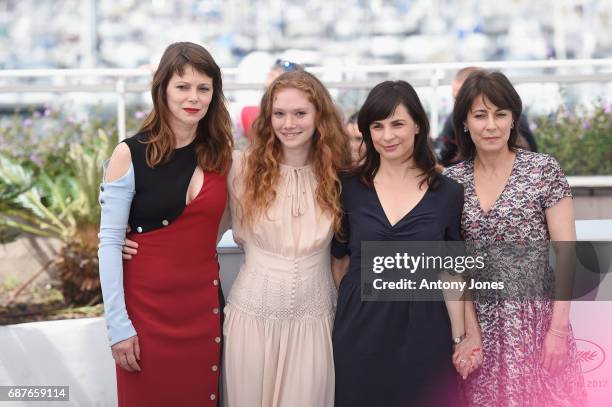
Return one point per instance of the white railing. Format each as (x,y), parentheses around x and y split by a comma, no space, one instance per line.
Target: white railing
(123,81)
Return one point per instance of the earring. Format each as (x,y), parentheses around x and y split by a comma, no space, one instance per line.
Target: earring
(465,130)
(512,124)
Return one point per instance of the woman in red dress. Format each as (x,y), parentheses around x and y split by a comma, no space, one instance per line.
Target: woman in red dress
(168,182)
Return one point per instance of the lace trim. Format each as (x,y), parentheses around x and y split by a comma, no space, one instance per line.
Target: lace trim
(293,297)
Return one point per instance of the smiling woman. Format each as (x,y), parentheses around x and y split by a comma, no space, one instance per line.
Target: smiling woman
(393,137)
(284,201)
(293,118)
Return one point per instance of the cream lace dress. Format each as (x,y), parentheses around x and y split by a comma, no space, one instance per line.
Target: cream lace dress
(279,313)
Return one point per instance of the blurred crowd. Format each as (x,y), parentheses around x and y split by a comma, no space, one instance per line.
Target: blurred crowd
(130,33)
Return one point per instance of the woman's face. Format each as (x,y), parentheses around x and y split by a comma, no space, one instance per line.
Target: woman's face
(489,126)
(393,138)
(293,119)
(188,97)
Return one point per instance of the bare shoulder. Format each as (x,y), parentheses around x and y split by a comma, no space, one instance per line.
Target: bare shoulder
(120,162)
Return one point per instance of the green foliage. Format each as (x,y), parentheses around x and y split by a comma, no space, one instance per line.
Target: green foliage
(48,205)
(582,141)
(40,207)
(9,283)
(50,173)
(87,162)
(55,159)
(42,140)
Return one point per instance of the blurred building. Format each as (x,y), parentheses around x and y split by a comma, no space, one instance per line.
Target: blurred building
(130,33)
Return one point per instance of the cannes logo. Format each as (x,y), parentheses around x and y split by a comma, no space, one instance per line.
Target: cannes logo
(590,355)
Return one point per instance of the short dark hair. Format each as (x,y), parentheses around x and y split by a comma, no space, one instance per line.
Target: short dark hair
(496,87)
(381,102)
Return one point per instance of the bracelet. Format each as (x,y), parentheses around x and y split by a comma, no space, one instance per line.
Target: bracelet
(458,339)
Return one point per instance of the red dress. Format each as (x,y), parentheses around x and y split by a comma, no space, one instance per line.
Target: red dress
(172,295)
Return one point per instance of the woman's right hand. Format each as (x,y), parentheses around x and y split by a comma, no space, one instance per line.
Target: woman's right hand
(468,355)
(129,249)
(462,360)
(126,354)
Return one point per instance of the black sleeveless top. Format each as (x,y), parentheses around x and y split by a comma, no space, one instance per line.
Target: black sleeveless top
(160,191)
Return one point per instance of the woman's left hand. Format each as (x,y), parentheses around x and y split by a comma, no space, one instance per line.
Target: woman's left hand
(468,355)
(554,352)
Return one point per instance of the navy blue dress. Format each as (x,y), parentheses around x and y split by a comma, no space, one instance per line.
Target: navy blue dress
(393,353)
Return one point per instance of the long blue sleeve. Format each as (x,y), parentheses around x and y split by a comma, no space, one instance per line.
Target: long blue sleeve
(115,200)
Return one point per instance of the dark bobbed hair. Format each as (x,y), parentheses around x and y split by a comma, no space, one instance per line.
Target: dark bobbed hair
(380,103)
(214,140)
(496,87)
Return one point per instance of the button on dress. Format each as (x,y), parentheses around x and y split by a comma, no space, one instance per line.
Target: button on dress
(170,296)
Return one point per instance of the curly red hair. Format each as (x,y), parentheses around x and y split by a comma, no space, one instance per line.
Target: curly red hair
(330,153)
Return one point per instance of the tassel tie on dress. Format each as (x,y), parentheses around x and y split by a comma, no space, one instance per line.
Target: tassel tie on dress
(296,185)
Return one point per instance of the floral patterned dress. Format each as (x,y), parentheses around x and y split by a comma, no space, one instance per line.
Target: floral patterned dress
(513,331)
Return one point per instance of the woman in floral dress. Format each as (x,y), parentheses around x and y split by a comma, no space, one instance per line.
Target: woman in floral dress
(512,195)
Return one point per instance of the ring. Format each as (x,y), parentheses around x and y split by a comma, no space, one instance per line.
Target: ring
(462,360)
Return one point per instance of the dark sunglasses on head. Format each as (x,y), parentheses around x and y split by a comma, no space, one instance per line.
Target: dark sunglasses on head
(285,65)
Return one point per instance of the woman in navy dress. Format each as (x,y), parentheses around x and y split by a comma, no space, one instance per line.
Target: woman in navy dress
(397,353)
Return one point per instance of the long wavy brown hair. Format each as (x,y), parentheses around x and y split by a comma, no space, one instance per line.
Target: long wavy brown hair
(214,140)
(330,153)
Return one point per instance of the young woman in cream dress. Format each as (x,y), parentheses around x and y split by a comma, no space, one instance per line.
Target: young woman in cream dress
(285,209)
